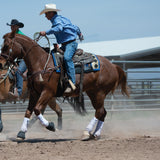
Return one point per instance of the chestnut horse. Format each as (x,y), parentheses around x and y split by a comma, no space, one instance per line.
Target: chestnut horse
(6,85)
(44,81)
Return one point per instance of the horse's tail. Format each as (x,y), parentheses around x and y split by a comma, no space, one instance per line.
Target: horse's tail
(122,81)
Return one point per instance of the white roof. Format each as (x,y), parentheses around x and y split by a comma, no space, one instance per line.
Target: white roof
(121,47)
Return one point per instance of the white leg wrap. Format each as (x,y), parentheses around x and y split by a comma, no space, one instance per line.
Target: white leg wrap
(98,129)
(43,121)
(25,124)
(91,124)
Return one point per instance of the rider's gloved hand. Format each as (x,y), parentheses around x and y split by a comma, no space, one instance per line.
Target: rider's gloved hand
(42,33)
(81,38)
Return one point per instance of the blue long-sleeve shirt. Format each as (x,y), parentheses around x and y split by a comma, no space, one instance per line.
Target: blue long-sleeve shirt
(63,29)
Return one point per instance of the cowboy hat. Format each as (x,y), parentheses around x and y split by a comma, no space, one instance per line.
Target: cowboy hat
(48,8)
(16,22)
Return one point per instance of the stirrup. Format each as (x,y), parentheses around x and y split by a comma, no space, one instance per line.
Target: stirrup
(70,88)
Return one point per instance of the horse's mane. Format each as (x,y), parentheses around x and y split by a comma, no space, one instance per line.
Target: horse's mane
(24,37)
(12,35)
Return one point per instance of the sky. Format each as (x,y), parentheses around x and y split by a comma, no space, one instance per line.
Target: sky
(102,20)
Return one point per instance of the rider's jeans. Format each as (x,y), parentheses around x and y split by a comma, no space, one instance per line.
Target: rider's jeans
(69,50)
(19,79)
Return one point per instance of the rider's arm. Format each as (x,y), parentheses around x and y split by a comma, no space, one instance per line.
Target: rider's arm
(79,33)
(55,29)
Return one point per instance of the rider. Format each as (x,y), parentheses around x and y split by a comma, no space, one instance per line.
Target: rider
(66,34)
(15,25)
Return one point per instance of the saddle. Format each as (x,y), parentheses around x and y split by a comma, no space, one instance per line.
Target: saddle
(89,62)
(84,62)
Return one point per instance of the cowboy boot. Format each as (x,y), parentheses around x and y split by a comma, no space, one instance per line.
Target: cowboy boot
(70,88)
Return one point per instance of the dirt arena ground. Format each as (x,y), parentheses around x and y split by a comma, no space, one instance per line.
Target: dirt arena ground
(126,136)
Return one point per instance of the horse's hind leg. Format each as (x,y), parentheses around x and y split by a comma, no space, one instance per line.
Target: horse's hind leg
(97,99)
(97,132)
(55,107)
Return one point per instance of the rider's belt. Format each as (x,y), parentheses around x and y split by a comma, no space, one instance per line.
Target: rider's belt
(68,42)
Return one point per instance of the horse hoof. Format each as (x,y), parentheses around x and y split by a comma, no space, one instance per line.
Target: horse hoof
(85,136)
(1,126)
(94,137)
(21,135)
(51,127)
(97,137)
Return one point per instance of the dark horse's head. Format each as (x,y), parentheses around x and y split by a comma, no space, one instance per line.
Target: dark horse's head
(11,49)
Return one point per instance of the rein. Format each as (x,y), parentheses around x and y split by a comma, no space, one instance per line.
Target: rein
(49,70)
(36,39)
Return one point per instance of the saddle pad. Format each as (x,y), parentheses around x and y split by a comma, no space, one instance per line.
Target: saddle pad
(88,67)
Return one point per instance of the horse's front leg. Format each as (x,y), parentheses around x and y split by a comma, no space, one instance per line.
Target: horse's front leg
(32,102)
(34,119)
(41,104)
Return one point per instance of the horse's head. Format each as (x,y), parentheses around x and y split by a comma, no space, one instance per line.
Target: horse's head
(11,48)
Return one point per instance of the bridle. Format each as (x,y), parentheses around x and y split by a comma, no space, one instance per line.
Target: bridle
(9,58)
